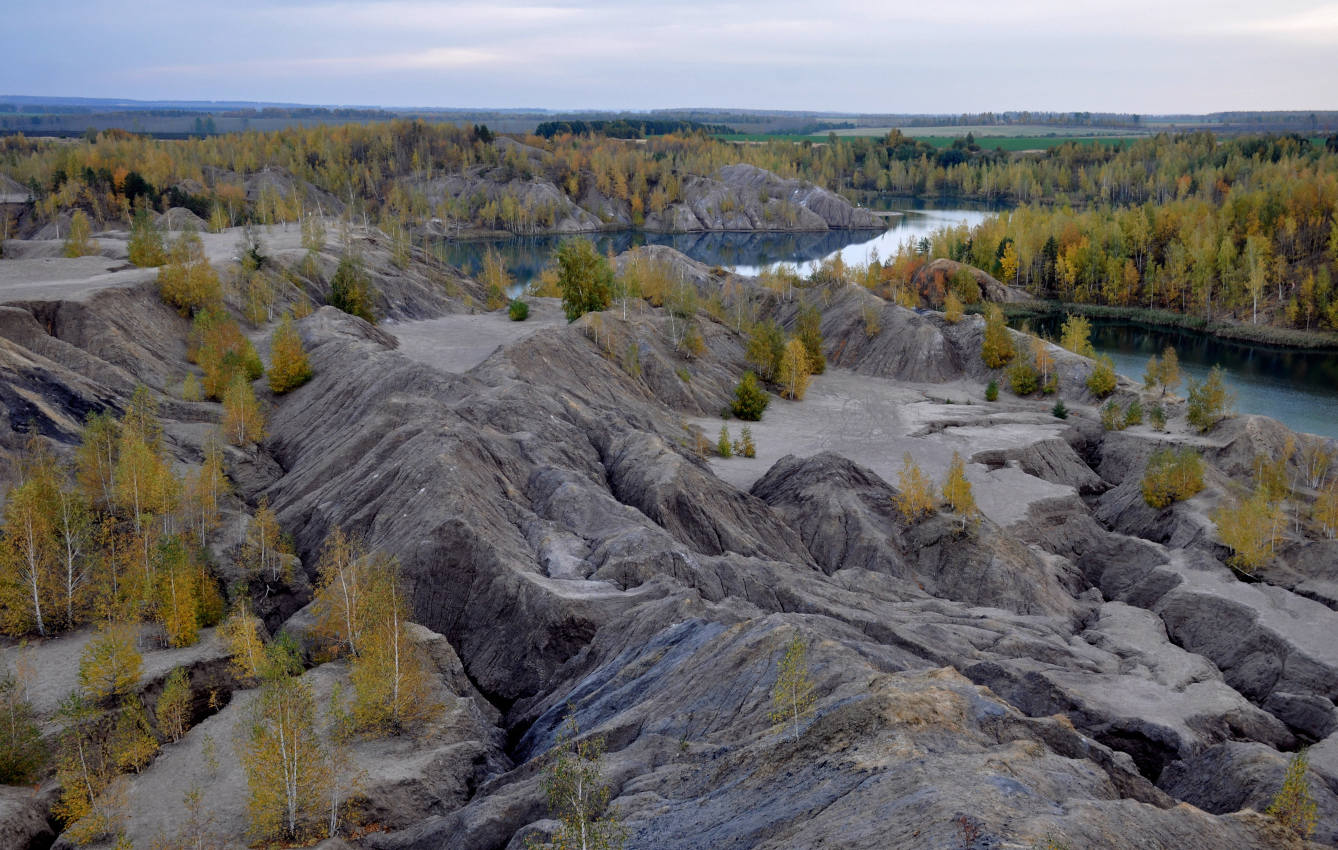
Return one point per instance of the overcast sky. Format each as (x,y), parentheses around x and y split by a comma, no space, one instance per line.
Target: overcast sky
(1145,56)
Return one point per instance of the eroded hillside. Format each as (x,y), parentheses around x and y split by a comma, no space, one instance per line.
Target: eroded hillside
(1073,667)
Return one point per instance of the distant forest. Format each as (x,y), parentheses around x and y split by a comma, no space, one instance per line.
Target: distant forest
(1241,227)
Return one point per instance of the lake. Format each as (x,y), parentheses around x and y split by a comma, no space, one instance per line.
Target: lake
(1296,387)
(745,253)
(1299,388)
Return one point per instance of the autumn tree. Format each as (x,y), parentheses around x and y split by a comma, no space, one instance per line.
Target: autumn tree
(1172,475)
(95,459)
(766,349)
(264,553)
(1294,805)
(144,484)
(585,278)
(243,423)
(1325,509)
(1209,400)
(1250,527)
(187,281)
(22,751)
(131,742)
(283,756)
(794,373)
(495,278)
(578,793)
(110,663)
(1023,376)
(389,674)
(915,497)
(1076,336)
(1044,364)
(724,446)
(351,289)
(78,242)
(92,796)
(996,349)
(289,367)
(75,531)
(953,311)
(180,585)
(29,555)
(203,489)
(1102,380)
(174,706)
(1163,372)
(792,694)
(957,492)
(808,330)
(243,635)
(223,352)
(146,247)
(745,446)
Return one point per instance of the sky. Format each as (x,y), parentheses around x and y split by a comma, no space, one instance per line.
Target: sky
(1141,56)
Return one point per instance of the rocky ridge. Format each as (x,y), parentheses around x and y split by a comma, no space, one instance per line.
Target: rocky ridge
(1076,670)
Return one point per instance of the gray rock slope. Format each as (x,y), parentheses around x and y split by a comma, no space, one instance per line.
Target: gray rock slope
(1067,676)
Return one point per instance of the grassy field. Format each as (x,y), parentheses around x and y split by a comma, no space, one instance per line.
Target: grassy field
(1001,130)
(767,137)
(1029,143)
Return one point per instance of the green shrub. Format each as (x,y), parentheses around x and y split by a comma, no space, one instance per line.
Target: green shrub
(352,291)
(1157,417)
(585,278)
(1133,414)
(992,391)
(746,446)
(519,311)
(723,446)
(1060,410)
(750,400)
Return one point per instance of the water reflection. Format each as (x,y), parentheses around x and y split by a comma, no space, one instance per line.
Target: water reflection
(1299,388)
(746,253)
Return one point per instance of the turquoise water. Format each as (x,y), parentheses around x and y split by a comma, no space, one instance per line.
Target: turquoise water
(1296,387)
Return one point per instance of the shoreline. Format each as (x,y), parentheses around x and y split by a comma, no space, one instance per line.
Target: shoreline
(1261,335)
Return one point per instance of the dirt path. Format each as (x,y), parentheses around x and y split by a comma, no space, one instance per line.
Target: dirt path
(460,342)
(34,270)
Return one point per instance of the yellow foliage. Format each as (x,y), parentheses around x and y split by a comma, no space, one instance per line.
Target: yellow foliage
(794,373)
(110,663)
(953,311)
(1251,528)
(289,367)
(916,498)
(957,491)
(996,349)
(243,423)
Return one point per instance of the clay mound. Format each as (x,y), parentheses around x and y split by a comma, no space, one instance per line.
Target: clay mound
(934,280)
(180,218)
(874,337)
